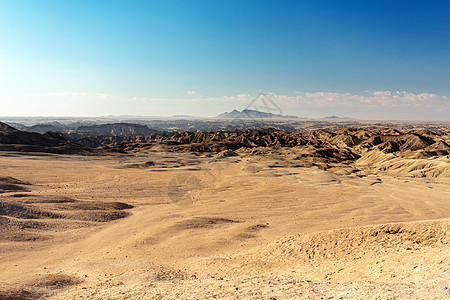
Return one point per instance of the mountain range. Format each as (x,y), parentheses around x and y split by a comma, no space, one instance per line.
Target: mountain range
(253,114)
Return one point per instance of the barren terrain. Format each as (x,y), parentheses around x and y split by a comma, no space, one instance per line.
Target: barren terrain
(354,214)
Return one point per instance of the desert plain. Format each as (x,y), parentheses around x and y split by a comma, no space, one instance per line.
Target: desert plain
(350,214)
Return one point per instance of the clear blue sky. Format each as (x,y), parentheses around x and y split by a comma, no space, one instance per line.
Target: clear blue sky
(363,59)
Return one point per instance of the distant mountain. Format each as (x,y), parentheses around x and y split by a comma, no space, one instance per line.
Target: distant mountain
(337,118)
(115,129)
(6,128)
(10,135)
(253,114)
(12,139)
(43,128)
(182,116)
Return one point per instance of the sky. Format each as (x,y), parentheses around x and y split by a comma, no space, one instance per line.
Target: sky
(362,59)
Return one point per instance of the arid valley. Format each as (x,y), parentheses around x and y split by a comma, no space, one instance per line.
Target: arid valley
(155,149)
(349,214)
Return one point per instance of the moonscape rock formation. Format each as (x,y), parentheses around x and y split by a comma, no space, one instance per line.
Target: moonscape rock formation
(417,152)
(110,212)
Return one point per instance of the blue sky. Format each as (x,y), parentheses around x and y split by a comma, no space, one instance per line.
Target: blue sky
(363,59)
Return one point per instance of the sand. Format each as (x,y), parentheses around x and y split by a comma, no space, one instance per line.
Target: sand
(194,227)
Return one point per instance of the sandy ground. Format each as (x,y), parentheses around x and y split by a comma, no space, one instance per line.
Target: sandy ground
(204,227)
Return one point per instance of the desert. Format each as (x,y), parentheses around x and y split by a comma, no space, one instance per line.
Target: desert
(261,149)
(263,214)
